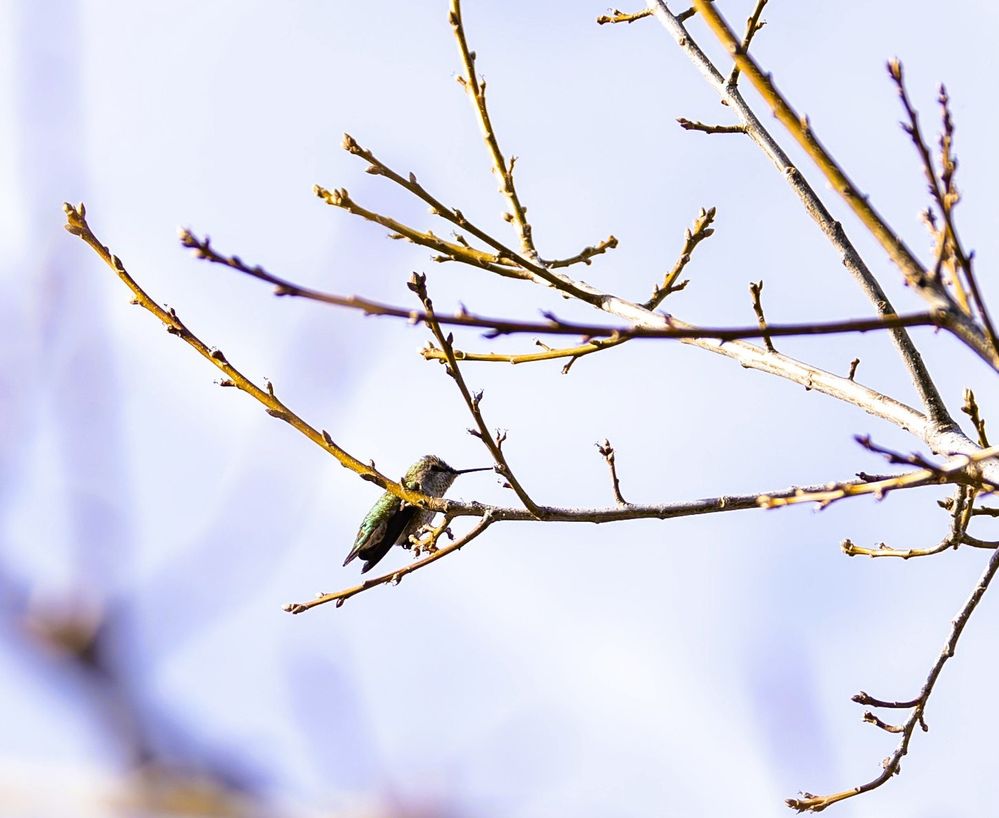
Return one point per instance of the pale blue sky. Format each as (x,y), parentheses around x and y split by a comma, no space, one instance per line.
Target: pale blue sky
(691,667)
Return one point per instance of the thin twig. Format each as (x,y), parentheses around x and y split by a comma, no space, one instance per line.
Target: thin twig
(970,408)
(703,127)
(607,451)
(449,250)
(531,265)
(393,577)
(870,718)
(753,24)
(618,16)
(892,765)
(800,129)
(949,200)
(960,517)
(76,223)
(585,255)
(963,470)
(948,244)
(504,170)
(974,542)
(503,326)
(418,284)
(691,238)
(867,699)
(830,227)
(681,330)
(756,291)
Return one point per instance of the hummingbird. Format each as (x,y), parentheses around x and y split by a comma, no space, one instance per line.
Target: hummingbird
(392,521)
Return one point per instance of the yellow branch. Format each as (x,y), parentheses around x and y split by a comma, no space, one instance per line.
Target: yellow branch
(76,223)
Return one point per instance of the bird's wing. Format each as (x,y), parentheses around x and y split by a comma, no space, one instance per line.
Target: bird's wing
(373,543)
(394,529)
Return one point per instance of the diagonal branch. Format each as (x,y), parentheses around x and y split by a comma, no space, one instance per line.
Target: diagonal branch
(800,129)
(418,284)
(753,25)
(395,577)
(451,251)
(585,255)
(830,227)
(504,170)
(939,437)
(892,765)
(505,253)
(76,223)
(912,129)
(946,196)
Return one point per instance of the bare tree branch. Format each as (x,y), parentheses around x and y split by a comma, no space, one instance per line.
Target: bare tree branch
(799,128)
(418,284)
(813,205)
(816,803)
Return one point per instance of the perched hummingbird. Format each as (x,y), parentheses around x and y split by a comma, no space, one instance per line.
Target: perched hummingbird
(392,520)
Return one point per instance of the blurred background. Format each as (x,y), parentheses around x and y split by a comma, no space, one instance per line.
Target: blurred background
(152,524)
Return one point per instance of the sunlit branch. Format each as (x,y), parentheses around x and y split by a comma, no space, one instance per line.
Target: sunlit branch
(801,130)
(830,227)
(418,284)
(76,223)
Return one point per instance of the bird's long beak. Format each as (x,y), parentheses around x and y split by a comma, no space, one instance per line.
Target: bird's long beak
(466,471)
